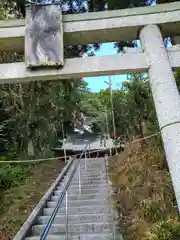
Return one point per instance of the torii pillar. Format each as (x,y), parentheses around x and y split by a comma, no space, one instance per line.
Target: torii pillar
(166,99)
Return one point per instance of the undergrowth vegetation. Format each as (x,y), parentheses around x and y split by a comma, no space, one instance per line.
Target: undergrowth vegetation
(144,195)
(18,201)
(12,175)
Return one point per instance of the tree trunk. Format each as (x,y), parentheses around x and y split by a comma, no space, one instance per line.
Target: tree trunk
(141,131)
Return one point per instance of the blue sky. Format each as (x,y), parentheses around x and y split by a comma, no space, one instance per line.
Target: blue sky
(97,83)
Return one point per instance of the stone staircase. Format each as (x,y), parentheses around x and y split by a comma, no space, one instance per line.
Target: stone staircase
(89,215)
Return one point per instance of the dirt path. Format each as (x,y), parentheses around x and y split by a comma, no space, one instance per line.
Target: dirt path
(18,202)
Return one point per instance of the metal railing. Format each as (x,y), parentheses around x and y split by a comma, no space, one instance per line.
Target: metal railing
(65,193)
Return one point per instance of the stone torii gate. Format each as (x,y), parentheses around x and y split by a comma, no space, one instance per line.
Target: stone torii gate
(149,24)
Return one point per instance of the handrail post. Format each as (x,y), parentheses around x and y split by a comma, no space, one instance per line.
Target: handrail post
(106,157)
(114,228)
(110,151)
(79,179)
(67,215)
(64,142)
(85,161)
(89,151)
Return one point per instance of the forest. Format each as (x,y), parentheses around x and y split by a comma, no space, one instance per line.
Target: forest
(32,114)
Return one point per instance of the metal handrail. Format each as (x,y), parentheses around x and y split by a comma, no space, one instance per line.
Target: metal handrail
(53,215)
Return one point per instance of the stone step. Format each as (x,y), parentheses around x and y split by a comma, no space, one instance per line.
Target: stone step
(79,210)
(88,184)
(93,168)
(79,236)
(74,228)
(82,191)
(89,181)
(84,175)
(87,178)
(83,186)
(90,218)
(82,197)
(93,159)
(90,172)
(92,164)
(78,203)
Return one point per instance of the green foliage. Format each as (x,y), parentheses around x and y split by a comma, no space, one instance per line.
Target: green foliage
(11,176)
(165,230)
(151,210)
(37,110)
(132,105)
(2,13)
